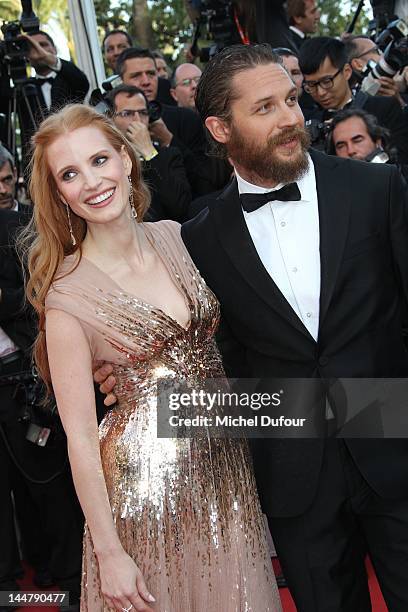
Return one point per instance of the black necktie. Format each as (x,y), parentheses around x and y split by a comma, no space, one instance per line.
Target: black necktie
(253,201)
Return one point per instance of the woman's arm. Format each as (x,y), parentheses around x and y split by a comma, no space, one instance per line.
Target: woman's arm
(71,371)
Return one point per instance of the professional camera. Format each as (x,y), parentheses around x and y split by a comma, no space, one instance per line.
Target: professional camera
(19,96)
(318,131)
(219,17)
(13,49)
(394,41)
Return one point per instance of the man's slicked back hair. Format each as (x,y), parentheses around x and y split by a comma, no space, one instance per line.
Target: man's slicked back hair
(215,91)
(315,50)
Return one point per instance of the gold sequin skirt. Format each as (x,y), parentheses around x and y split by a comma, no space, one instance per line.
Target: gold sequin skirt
(187,512)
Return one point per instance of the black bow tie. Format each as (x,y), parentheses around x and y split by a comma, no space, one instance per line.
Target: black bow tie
(41,82)
(253,201)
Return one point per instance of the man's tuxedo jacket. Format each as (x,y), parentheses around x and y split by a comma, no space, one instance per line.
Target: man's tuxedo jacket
(364,283)
(69,85)
(297,41)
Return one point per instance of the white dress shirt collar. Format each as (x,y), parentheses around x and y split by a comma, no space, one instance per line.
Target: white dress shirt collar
(46,86)
(297,31)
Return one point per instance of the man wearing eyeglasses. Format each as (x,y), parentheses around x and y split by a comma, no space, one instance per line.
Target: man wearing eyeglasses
(361,50)
(163,167)
(327,73)
(184,84)
(178,127)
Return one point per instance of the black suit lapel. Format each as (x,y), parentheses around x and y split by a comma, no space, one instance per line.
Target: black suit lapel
(237,242)
(333,192)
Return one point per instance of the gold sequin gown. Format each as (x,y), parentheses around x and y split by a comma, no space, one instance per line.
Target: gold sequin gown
(186,510)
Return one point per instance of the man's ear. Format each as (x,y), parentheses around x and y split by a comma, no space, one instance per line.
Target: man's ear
(218,129)
(347,71)
(357,64)
(297,21)
(174,94)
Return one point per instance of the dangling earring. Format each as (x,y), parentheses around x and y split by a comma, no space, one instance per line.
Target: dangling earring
(131,199)
(73,240)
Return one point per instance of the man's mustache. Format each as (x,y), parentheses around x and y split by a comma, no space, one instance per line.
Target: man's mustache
(285,136)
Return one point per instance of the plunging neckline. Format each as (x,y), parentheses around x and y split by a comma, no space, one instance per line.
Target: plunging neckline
(171,269)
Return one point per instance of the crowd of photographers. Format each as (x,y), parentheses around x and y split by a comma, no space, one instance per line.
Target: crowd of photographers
(353,91)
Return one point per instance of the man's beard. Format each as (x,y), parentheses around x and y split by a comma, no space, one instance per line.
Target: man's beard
(261,162)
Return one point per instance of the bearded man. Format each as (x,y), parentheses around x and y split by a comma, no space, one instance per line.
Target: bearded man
(308,255)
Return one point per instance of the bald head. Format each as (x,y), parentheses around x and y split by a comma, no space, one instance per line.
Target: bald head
(184,84)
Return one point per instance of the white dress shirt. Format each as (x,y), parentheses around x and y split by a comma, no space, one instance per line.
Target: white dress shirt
(287,239)
(297,31)
(46,86)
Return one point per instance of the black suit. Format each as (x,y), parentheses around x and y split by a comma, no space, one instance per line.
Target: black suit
(297,40)
(69,85)
(49,515)
(166,178)
(364,280)
(189,138)
(272,24)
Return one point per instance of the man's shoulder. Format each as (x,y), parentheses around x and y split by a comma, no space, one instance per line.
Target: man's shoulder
(11,221)
(208,208)
(355,166)
(196,226)
(381,104)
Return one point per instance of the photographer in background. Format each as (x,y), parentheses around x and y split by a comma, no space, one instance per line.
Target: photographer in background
(290,60)
(385,10)
(356,134)
(8,182)
(163,70)
(114,42)
(239,22)
(58,82)
(304,17)
(229,23)
(47,513)
(163,168)
(177,127)
(360,50)
(327,74)
(184,84)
